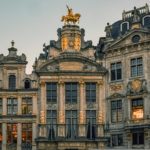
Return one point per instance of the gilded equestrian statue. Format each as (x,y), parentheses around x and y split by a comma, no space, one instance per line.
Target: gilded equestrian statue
(70,17)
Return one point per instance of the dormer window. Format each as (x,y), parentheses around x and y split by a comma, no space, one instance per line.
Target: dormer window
(27,84)
(124,27)
(12,82)
(146,21)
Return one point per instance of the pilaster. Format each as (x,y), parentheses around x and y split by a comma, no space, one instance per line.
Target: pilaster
(19,136)
(4,136)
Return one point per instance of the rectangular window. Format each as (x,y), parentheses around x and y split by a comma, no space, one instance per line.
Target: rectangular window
(136,67)
(11,133)
(138,137)
(137,109)
(12,82)
(71,124)
(116,111)
(117,139)
(71,92)
(51,91)
(51,123)
(12,106)
(27,106)
(91,124)
(1,106)
(91,92)
(27,133)
(116,71)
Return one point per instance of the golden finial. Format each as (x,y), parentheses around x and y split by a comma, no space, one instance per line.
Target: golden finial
(71,17)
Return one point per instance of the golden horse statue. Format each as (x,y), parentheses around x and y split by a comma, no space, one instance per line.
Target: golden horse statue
(70,17)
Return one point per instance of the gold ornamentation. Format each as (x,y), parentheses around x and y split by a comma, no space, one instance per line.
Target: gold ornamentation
(71,17)
(116,87)
(136,85)
(100,117)
(64,43)
(61,117)
(42,117)
(82,117)
(77,43)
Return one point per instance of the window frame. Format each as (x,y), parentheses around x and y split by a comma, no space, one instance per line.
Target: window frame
(90,97)
(115,75)
(27,132)
(115,137)
(50,97)
(117,110)
(12,82)
(136,69)
(27,105)
(137,107)
(71,94)
(13,105)
(137,134)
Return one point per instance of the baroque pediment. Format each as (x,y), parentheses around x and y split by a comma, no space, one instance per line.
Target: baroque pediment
(71,62)
(115,96)
(127,39)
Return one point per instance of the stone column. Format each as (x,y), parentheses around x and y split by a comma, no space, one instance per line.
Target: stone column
(82,113)
(19,105)
(4,105)
(42,132)
(34,135)
(100,113)
(61,109)
(19,136)
(4,136)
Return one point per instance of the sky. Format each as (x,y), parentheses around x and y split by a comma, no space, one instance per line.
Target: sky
(30,23)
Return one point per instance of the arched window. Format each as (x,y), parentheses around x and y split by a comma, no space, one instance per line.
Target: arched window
(146,21)
(124,27)
(27,84)
(12,82)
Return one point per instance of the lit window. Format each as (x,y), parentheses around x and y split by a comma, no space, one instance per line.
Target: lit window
(138,137)
(51,89)
(116,71)
(91,92)
(27,106)
(136,67)
(91,124)
(116,111)
(137,109)
(11,133)
(12,106)
(51,123)
(27,133)
(71,92)
(12,82)
(117,139)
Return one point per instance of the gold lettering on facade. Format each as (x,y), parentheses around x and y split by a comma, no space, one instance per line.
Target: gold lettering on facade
(100,117)
(77,43)
(116,87)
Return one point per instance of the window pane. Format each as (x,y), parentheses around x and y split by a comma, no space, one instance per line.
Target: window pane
(12,82)
(26,133)
(71,92)
(11,133)
(27,106)
(91,92)
(51,90)
(12,106)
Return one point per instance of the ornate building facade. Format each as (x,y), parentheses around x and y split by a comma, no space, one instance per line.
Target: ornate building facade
(80,96)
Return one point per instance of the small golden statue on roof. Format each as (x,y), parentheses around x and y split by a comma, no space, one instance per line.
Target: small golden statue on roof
(70,17)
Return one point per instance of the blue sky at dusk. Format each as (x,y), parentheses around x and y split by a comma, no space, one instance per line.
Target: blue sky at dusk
(30,23)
